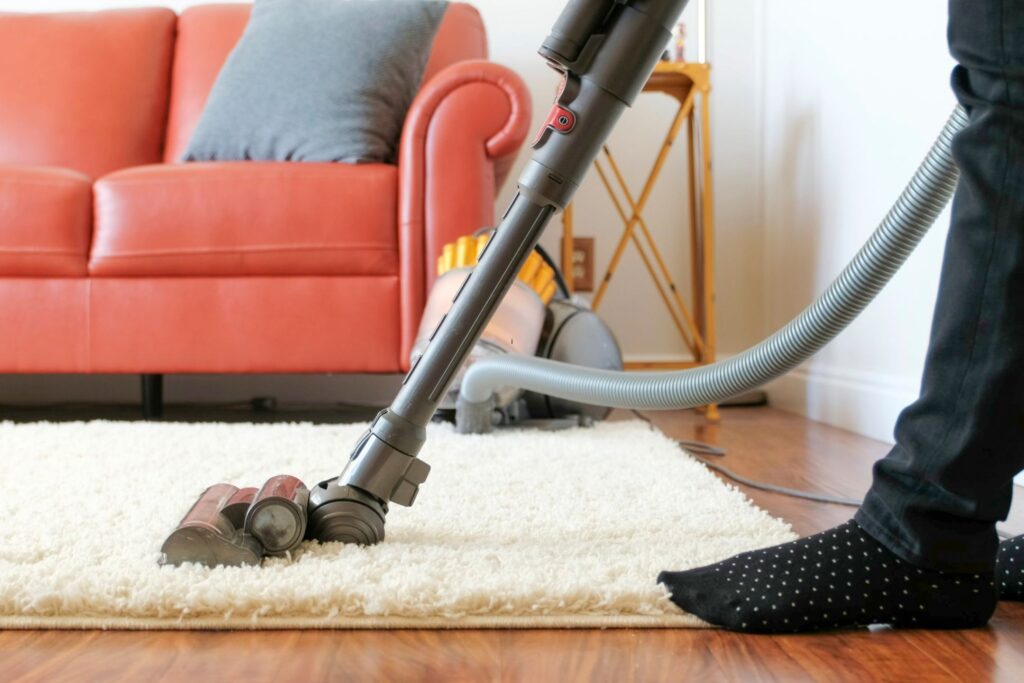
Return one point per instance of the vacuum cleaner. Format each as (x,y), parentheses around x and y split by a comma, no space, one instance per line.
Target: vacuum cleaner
(604,50)
(538,317)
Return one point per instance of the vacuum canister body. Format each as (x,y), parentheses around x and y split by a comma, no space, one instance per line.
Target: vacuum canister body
(517,323)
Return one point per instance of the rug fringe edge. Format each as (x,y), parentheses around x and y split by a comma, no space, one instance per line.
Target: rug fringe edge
(26,623)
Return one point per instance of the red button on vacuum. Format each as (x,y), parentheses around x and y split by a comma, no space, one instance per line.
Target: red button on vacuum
(561,119)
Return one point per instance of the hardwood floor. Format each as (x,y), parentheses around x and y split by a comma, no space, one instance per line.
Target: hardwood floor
(761,443)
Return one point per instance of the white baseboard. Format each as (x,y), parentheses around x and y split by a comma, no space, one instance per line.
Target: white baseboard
(861,402)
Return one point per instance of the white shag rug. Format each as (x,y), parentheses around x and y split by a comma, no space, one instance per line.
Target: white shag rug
(517,529)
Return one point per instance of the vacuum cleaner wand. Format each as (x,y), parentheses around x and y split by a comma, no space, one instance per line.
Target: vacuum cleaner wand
(605,50)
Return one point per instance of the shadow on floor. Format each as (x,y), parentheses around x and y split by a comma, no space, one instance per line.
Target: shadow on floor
(249,411)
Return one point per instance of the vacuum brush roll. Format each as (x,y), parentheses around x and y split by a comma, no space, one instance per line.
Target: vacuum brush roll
(277,516)
(238,504)
(209,535)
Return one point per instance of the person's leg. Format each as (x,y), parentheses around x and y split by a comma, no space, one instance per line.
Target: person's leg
(921,550)
(937,496)
(1010,569)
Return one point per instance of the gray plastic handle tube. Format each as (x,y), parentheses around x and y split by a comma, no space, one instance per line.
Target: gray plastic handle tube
(871,269)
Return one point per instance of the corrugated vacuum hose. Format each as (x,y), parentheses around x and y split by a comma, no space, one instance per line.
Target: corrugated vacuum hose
(872,268)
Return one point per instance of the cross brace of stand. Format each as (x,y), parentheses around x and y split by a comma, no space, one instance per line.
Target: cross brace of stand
(690,84)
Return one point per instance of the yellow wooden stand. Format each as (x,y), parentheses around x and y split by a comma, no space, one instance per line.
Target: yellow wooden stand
(690,84)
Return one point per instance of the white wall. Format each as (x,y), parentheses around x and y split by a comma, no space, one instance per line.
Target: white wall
(852,101)
(821,113)
(516,29)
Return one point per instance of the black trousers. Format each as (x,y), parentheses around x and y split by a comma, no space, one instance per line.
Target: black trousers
(937,495)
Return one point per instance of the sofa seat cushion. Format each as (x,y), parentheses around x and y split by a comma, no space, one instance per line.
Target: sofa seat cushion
(45,222)
(247,218)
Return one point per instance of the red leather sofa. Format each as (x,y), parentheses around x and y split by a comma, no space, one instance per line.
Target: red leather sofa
(115,258)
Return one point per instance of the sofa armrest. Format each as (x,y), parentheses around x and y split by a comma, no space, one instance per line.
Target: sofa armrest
(461,137)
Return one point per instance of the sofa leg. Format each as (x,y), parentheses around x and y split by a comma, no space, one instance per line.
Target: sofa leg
(152,396)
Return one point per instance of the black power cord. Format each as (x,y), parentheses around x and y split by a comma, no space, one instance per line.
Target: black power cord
(697,448)
(563,286)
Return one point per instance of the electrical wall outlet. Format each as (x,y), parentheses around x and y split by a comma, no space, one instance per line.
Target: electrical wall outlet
(582,264)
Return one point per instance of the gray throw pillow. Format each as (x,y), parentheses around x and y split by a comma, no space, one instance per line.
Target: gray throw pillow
(318,80)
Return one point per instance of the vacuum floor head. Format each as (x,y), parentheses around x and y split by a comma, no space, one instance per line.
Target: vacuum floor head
(209,534)
(234,527)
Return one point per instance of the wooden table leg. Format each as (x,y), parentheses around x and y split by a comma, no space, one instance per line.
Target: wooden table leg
(708,221)
(568,247)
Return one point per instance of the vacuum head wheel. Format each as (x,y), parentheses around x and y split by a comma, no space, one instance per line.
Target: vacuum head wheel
(277,516)
(345,514)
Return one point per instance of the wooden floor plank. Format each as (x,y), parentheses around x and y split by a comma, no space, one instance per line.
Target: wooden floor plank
(761,443)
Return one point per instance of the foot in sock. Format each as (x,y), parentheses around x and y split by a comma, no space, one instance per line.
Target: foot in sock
(839,578)
(1010,569)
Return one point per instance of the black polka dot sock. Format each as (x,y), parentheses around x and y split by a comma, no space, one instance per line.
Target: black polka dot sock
(839,578)
(1010,569)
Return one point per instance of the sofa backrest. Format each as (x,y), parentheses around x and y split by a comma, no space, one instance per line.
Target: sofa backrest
(86,91)
(208,33)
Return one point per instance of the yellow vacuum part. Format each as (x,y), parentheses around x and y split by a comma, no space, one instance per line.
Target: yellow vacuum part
(549,292)
(465,251)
